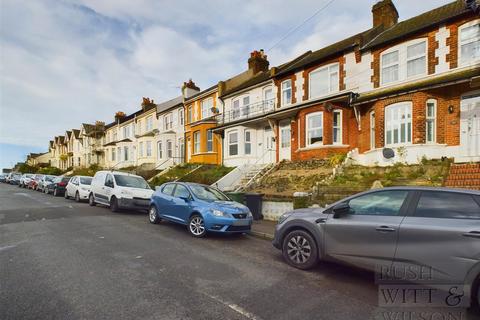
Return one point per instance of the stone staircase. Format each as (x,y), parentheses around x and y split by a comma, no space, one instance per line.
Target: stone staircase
(253,173)
(466,176)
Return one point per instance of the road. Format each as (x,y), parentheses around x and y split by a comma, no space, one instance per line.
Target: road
(65,260)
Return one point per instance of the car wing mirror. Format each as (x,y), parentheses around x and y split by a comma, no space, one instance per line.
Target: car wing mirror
(340,209)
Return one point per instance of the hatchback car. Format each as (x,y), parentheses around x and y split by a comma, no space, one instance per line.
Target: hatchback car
(34,181)
(46,180)
(202,208)
(403,228)
(15,179)
(78,187)
(25,180)
(57,186)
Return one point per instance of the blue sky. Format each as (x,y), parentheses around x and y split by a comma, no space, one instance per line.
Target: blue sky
(64,62)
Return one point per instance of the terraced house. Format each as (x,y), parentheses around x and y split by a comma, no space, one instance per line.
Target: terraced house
(411,86)
(92,137)
(202,110)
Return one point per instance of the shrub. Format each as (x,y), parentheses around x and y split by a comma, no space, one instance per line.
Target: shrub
(50,170)
(336,159)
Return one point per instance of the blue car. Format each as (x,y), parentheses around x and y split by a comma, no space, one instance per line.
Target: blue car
(201,208)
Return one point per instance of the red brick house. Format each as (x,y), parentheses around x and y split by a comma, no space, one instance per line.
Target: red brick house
(411,86)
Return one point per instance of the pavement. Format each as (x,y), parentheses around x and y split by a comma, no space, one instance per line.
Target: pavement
(263,229)
(65,260)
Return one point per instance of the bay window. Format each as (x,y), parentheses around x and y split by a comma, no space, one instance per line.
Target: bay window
(140,149)
(149,124)
(125,153)
(233,143)
(160,150)
(323,81)
(286,92)
(404,61)
(430,125)
(169,149)
(398,124)
(469,42)
(148,146)
(337,127)
(196,142)
(314,128)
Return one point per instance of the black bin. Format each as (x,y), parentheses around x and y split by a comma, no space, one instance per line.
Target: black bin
(254,202)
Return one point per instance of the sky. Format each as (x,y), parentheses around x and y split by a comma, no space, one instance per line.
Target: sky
(65,62)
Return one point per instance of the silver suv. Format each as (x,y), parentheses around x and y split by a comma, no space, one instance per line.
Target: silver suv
(407,228)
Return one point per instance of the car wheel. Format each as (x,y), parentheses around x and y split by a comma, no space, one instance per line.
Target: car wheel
(91,200)
(114,204)
(55,192)
(45,190)
(300,250)
(77,197)
(196,226)
(153,215)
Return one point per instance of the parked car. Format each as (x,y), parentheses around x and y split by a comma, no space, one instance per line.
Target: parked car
(15,179)
(44,181)
(120,190)
(25,180)
(3,178)
(200,207)
(402,227)
(34,182)
(78,187)
(57,186)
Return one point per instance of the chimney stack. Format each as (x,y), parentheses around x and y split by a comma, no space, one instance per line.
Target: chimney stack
(258,61)
(119,116)
(189,89)
(384,13)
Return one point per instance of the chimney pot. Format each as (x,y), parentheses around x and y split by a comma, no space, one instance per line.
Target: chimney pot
(258,61)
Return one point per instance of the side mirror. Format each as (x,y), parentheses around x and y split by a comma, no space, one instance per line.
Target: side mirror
(340,209)
(186,199)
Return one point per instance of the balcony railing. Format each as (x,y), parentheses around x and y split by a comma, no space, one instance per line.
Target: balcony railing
(247,112)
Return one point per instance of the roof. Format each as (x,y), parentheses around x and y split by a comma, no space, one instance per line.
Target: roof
(164,106)
(331,50)
(76,133)
(215,86)
(420,22)
(450,77)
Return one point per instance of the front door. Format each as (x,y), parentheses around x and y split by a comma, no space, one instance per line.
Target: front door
(367,235)
(189,149)
(285,141)
(269,143)
(470,127)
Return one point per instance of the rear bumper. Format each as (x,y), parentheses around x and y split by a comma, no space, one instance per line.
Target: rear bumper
(135,204)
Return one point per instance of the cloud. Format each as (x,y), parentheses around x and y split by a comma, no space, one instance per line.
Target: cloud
(67,62)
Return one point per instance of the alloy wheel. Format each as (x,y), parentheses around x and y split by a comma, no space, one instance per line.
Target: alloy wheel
(196,226)
(299,249)
(152,215)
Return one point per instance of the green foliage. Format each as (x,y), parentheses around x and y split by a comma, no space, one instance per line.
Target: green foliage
(336,159)
(301,202)
(25,168)
(90,171)
(50,170)
(207,174)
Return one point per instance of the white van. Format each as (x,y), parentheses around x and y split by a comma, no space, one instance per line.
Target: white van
(120,190)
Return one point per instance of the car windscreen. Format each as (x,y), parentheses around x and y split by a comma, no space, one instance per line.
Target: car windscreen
(49,178)
(29,175)
(86,180)
(207,193)
(131,182)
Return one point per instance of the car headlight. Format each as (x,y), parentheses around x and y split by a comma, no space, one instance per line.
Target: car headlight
(218,213)
(284,217)
(249,214)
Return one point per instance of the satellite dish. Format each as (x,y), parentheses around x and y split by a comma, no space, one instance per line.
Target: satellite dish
(388,153)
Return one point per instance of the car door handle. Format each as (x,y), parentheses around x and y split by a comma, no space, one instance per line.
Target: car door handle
(472,234)
(385,229)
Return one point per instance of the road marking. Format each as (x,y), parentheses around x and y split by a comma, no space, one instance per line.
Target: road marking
(234,307)
(7,247)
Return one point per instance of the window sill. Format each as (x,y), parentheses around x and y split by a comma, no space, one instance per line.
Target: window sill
(323,146)
(204,153)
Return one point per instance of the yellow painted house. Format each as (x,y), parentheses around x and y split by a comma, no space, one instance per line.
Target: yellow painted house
(201,110)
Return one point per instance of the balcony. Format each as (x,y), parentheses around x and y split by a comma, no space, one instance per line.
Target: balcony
(250,111)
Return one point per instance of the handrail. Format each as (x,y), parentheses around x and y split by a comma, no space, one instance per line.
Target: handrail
(190,172)
(248,111)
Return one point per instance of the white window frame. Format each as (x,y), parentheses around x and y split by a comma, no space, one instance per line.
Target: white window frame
(207,107)
(390,123)
(283,90)
(431,119)
(168,121)
(148,147)
(308,129)
(113,154)
(230,142)
(247,142)
(126,154)
(339,127)
(160,149)
(149,124)
(140,149)
(464,26)
(196,142)
(236,108)
(210,140)
(402,61)
(330,73)
(181,117)
(373,134)
(169,145)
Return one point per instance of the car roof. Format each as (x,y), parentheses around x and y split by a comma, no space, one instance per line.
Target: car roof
(121,173)
(422,188)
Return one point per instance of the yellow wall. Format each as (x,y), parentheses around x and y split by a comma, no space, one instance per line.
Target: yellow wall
(202,126)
